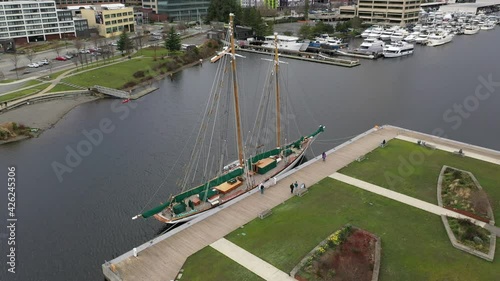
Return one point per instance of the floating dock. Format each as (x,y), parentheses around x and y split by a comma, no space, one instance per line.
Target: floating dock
(163,257)
(304,56)
(354,54)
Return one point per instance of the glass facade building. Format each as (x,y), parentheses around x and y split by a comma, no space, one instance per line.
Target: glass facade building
(183,10)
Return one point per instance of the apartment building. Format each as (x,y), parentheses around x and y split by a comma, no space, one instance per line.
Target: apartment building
(110,20)
(64,3)
(396,12)
(32,21)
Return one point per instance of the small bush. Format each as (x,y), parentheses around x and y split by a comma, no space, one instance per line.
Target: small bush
(139,74)
(129,84)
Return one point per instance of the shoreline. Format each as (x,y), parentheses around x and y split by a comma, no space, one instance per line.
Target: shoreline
(43,115)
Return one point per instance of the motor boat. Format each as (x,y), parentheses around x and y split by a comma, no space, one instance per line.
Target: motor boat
(412,37)
(399,35)
(421,38)
(371,46)
(438,39)
(398,49)
(471,29)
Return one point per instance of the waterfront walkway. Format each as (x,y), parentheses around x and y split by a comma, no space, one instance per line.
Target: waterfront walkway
(250,261)
(163,258)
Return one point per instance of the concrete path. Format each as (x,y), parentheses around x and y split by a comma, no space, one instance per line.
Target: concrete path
(451,149)
(249,261)
(431,208)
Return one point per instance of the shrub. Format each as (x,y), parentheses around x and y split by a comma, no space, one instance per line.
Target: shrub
(139,74)
(14,126)
(129,84)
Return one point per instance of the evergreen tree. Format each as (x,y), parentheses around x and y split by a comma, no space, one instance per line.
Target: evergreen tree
(219,10)
(306,10)
(124,43)
(173,41)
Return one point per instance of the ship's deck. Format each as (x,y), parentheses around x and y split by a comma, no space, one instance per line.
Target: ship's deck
(227,193)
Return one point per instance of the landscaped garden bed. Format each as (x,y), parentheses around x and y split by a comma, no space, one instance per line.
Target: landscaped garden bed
(348,254)
(460,191)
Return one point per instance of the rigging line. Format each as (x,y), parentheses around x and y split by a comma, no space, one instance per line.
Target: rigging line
(170,172)
(167,229)
(199,141)
(307,108)
(212,137)
(263,105)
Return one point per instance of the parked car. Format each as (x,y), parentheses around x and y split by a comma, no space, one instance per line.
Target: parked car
(83,51)
(33,65)
(61,58)
(114,44)
(43,62)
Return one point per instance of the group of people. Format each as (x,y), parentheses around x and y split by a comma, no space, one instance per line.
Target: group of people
(294,186)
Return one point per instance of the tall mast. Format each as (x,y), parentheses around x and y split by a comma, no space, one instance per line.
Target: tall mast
(235,91)
(276,71)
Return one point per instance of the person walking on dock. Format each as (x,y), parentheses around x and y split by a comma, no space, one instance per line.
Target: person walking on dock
(261,187)
(323,156)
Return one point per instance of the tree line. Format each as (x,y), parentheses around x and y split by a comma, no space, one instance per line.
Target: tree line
(219,11)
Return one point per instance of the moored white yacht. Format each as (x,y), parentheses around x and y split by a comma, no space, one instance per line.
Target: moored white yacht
(399,35)
(487,26)
(421,38)
(412,37)
(371,46)
(438,39)
(285,43)
(398,49)
(375,33)
(471,29)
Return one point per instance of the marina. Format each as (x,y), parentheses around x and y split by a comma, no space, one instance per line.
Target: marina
(162,258)
(125,172)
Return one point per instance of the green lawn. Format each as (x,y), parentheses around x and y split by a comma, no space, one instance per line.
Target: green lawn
(30,83)
(22,93)
(209,264)
(386,167)
(149,52)
(61,88)
(7,81)
(56,74)
(414,242)
(112,76)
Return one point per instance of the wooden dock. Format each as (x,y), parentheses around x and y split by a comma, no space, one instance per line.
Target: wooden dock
(163,257)
(306,56)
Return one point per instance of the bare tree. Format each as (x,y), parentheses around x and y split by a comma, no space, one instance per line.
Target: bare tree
(30,54)
(57,48)
(75,61)
(96,40)
(15,61)
(181,27)
(78,44)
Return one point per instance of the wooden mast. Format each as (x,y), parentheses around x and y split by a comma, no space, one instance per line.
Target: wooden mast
(276,71)
(235,92)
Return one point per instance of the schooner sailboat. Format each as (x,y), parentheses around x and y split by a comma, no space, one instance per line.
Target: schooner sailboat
(244,174)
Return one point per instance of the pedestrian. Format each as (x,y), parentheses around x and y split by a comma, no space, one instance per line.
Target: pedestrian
(261,187)
(291,188)
(323,156)
(295,185)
